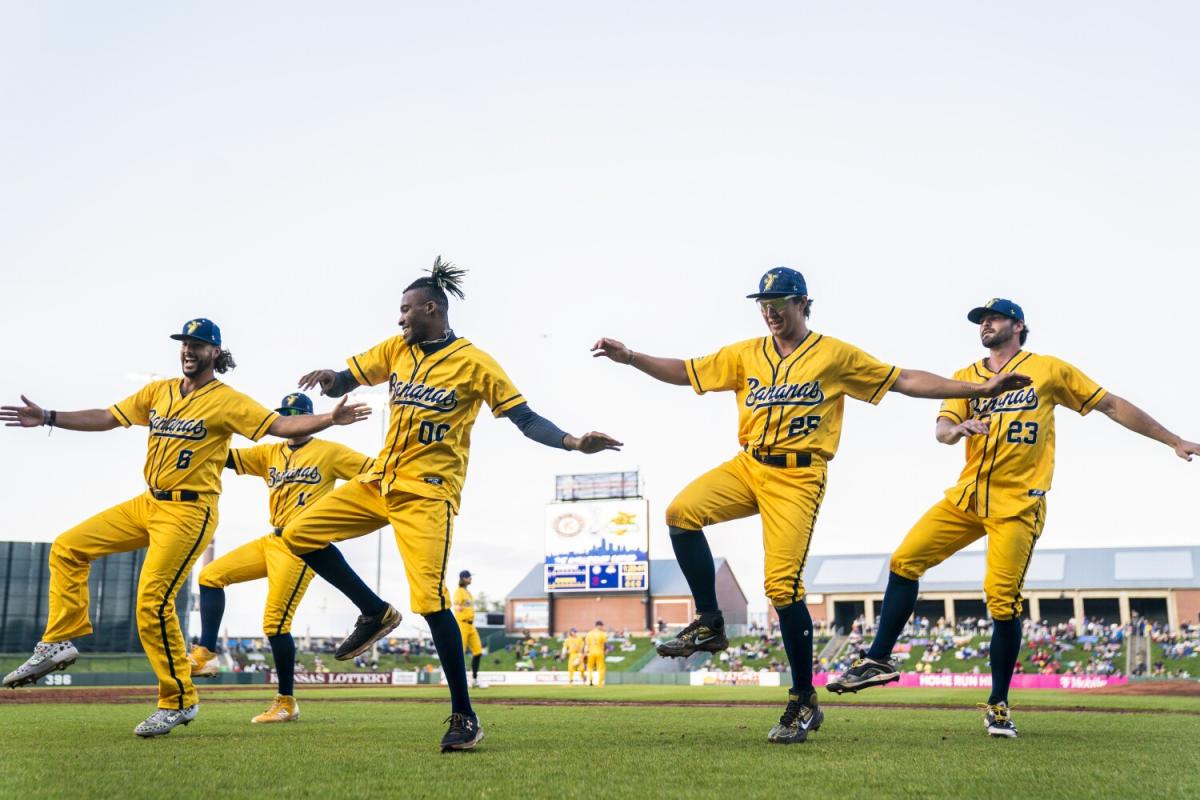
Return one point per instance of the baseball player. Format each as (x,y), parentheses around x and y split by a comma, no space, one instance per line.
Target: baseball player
(1001,494)
(595,644)
(437,382)
(572,651)
(790,387)
(191,420)
(464,612)
(297,472)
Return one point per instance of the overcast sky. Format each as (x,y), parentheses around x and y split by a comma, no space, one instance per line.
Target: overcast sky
(621,169)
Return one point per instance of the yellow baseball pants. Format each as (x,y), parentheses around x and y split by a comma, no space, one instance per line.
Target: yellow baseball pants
(174,534)
(945,529)
(575,665)
(267,557)
(595,668)
(423,528)
(471,642)
(787,499)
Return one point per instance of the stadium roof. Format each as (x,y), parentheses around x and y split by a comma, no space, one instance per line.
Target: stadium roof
(1089,568)
(665,580)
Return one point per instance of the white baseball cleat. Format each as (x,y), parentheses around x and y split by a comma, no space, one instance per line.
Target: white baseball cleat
(47,657)
(165,720)
(478,684)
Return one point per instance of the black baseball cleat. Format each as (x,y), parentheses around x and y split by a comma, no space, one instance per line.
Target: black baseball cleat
(863,674)
(367,631)
(997,720)
(800,718)
(707,636)
(465,732)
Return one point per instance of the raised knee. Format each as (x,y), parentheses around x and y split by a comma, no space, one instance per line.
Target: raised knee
(680,517)
(211,578)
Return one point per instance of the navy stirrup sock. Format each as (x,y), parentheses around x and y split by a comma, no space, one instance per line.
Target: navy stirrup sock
(899,603)
(696,563)
(795,626)
(1006,649)
(330,565)
(283,647)
(447,639)
(475,666)
(212,609)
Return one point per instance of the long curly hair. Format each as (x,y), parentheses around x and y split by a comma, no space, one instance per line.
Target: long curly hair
(224,362)
(444,279)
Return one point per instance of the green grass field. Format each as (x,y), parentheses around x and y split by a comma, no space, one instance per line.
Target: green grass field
(619,741)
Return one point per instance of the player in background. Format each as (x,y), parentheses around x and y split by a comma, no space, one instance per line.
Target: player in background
(464,612)
(572,652)
(437,382)
(191,420)
(790,387)
(297,472)
(1001,494)
(595,646)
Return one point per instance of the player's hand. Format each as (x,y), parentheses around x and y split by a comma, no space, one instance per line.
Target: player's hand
(1004,382)
(592,442)
(972,427)
(318,377)
(1184,449)
(612,349)
(29,415)
(343,414)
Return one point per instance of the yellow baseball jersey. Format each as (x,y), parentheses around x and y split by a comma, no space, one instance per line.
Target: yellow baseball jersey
(435,398)
(298,476)
(1010,469)
(792,404)
(189,435)
(573,644)
(463,598)
(595,641)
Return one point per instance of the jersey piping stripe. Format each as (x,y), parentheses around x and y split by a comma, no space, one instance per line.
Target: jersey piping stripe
(256,435)
(882,383)
(412,417)
(812,524)
(499,409)
(361,377)
(691,362)
(1085,402)
(287,609)
(124,416)
(948,413)
(762,440)
(787,374)
(167,598)
(987,492)
(977,372)
(156,472)
(441,587)
(395,439)
(237,460)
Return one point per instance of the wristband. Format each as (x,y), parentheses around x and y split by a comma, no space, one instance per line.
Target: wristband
(631,355)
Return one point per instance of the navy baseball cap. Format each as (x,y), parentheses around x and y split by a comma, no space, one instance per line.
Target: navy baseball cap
(997,305)
(295,403)
(780,282)
(464,574)
(200,329)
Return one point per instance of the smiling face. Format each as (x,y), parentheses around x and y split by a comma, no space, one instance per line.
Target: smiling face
(419,317)
(997,330)
(784,316)
(197,357)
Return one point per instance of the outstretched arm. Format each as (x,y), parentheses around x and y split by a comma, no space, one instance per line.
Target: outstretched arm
(308,424)
(31,415)
(915,383)
(667,370)
(333,384)
(1128,415)
(543,431)
(949,432)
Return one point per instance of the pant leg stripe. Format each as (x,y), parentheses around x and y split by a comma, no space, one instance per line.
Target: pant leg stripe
(287,609)
(812,525)
(1016,606)
(441,586)
(167,598)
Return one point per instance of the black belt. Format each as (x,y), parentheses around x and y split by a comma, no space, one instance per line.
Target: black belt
(782,459)
(278,531)
(181,495)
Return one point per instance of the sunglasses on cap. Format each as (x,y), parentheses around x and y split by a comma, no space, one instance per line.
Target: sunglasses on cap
(290,412)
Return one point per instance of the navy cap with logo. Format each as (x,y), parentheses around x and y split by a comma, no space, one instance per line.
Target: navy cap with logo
(997,305)
(780,282)
(464,574)
(295,404)
(200,329)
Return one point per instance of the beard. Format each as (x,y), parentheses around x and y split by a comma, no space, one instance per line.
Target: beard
(997,339)
(202,364)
